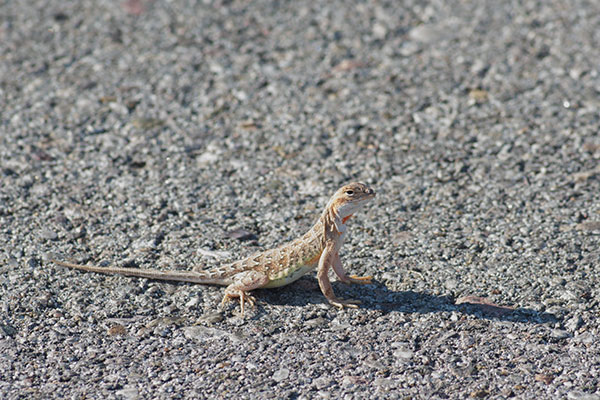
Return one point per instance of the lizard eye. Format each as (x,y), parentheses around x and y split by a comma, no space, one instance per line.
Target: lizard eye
(349,192)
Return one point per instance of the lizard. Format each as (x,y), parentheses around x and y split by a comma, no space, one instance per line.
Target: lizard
(316,249)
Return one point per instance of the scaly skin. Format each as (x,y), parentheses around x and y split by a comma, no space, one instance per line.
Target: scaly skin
(316,249)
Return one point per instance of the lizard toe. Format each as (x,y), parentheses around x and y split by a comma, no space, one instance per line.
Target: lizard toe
(361,280)
(340,303)
(226,298)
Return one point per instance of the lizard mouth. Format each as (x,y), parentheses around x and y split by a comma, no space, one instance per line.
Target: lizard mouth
(351,207)
(370,194)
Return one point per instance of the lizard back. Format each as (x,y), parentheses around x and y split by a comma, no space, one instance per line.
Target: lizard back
(283,264)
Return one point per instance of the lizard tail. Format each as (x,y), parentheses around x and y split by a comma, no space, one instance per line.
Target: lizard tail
(180,276)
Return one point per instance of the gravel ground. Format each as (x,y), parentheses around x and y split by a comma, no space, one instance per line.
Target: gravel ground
(145,133)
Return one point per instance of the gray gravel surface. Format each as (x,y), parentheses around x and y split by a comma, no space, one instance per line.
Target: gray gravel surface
(178,134)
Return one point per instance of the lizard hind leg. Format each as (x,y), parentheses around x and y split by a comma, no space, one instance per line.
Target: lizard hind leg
(244,282)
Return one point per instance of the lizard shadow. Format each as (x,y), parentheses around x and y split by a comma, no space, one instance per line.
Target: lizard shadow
(377,296)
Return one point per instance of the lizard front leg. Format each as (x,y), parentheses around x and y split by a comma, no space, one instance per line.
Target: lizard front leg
(242,283)
(326,260)
(339,271)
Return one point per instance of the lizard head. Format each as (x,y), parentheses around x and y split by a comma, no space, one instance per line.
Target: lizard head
(349,198)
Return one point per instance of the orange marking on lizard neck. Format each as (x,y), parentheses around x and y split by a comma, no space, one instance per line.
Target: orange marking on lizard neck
(346,219)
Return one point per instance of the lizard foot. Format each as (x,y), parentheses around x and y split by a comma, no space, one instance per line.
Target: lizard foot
(361,280)
(243,296)
(341,303)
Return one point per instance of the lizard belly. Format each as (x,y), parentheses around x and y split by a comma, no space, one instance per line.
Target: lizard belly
(288,276)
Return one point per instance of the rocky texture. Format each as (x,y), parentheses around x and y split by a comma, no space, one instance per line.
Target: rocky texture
(146,134)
